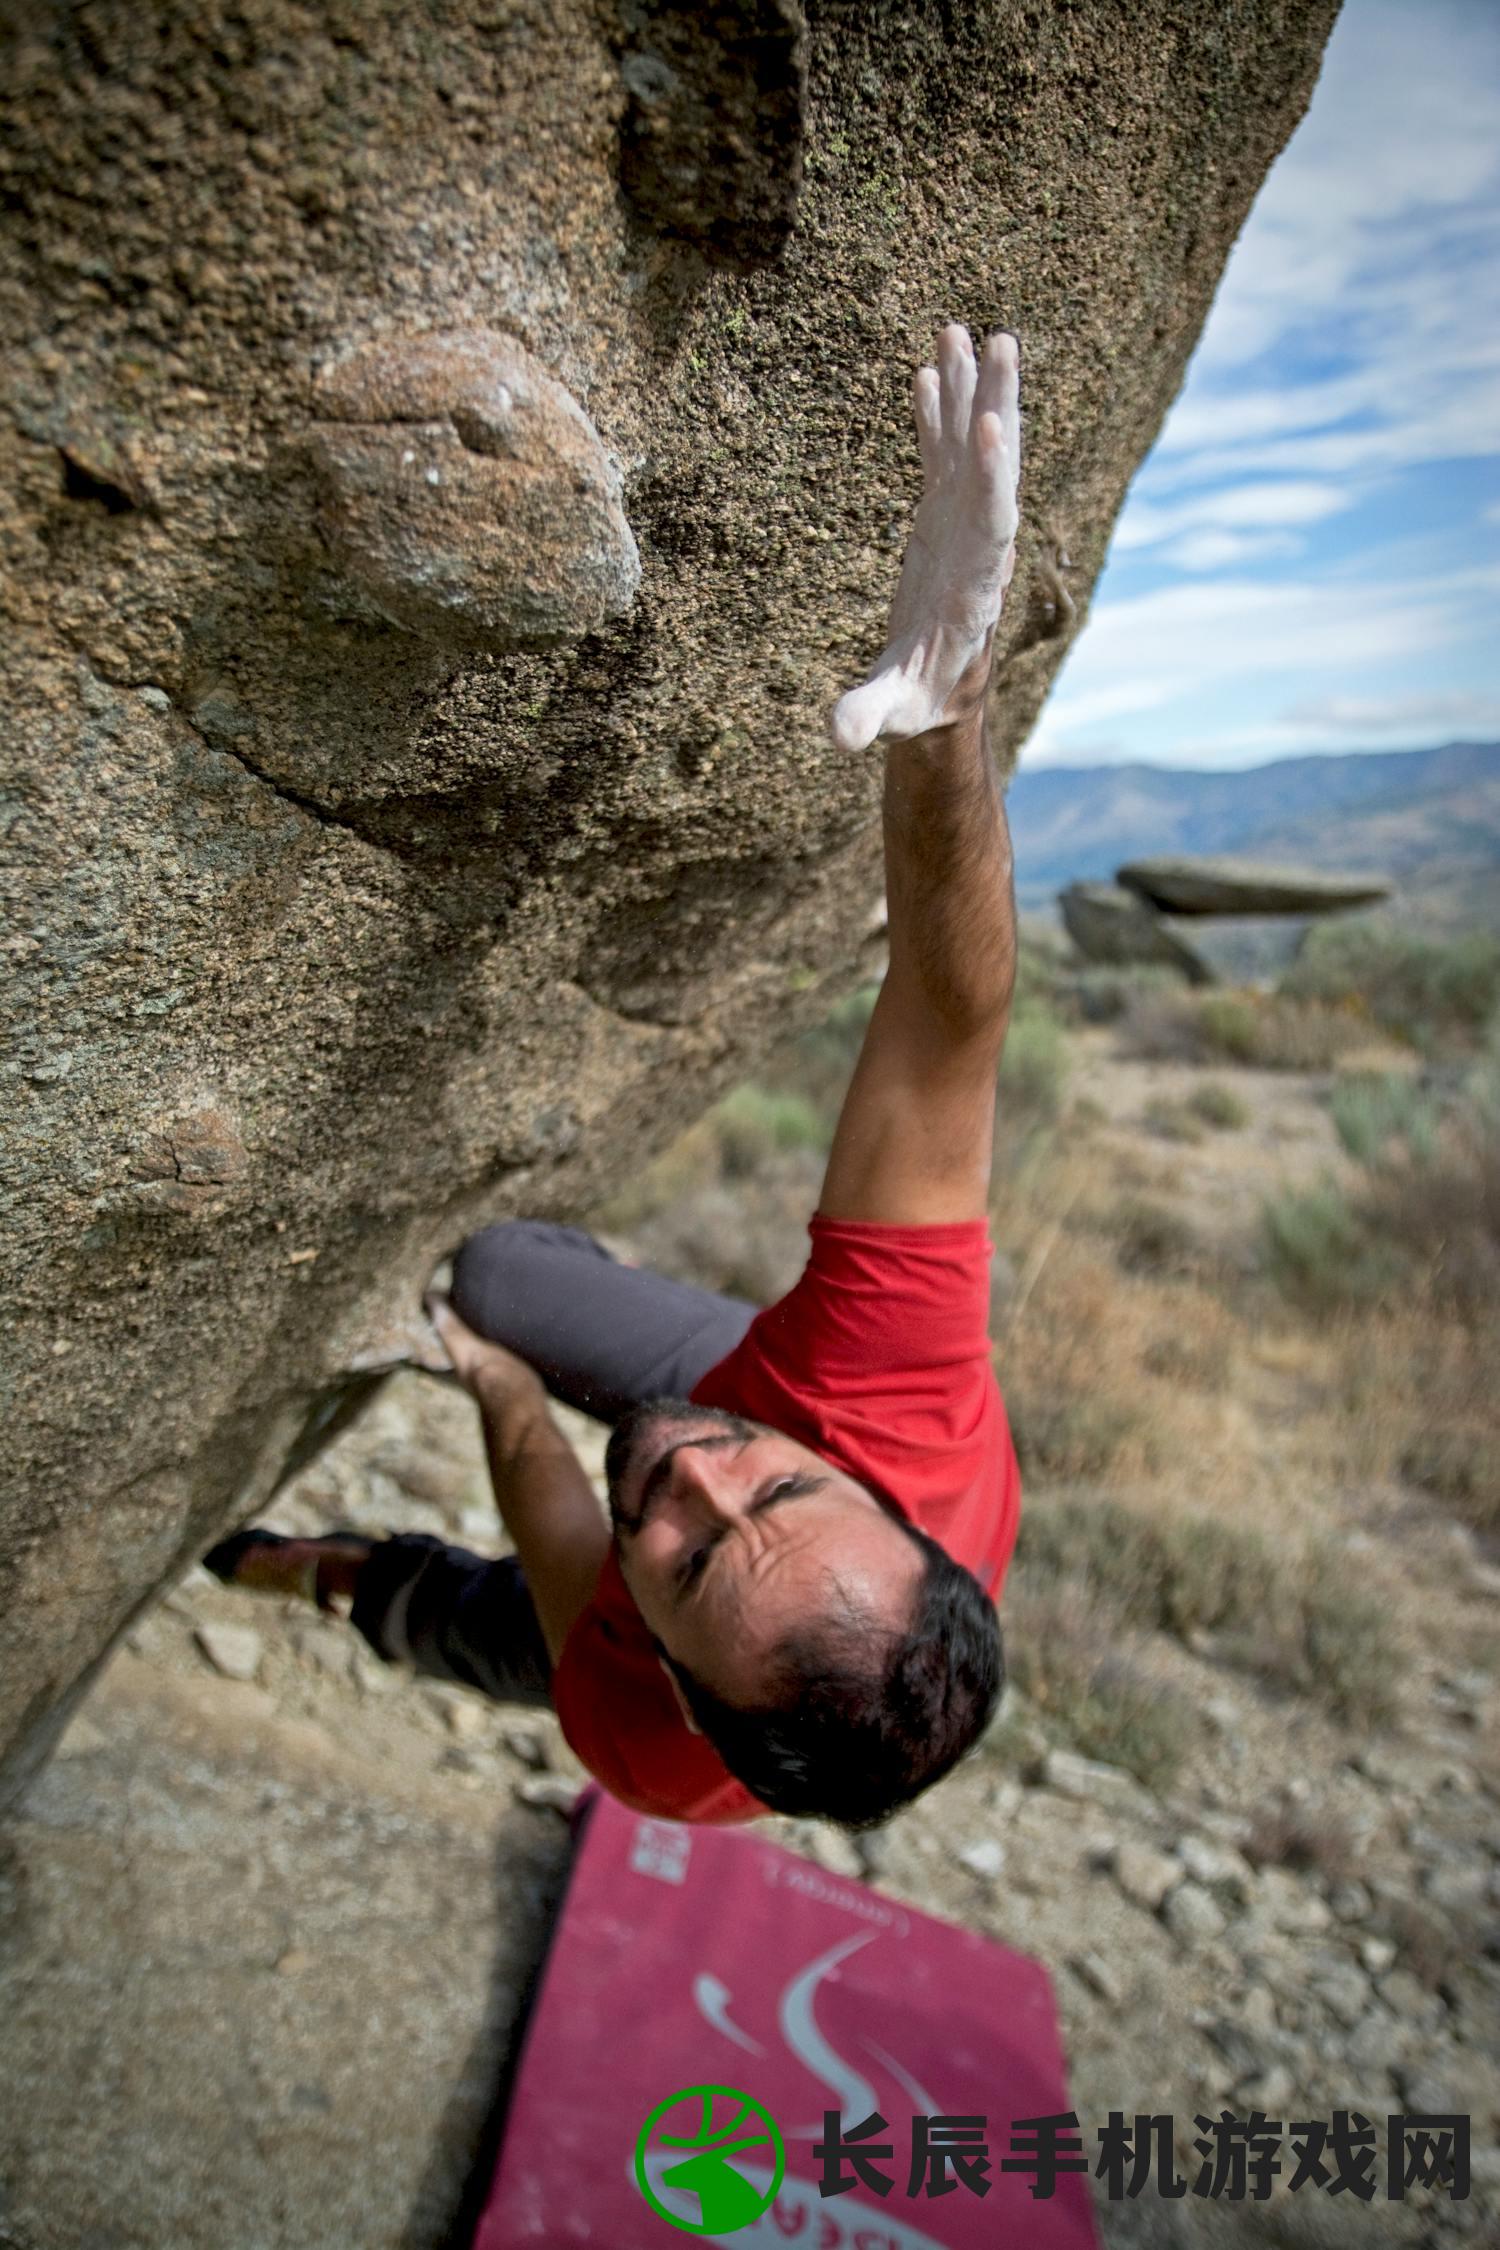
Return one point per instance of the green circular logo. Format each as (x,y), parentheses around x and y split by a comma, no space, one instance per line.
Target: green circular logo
(699,2161)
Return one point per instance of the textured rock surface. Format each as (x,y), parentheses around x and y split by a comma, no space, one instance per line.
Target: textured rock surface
(469,495)
(1116,929)
(334,937)
(1246,886)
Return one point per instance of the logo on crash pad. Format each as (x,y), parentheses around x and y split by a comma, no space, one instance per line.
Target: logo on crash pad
(689,2144)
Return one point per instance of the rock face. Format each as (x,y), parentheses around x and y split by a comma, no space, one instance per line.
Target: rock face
(350,913)
(1115,929)
(469,495)
(1245,886)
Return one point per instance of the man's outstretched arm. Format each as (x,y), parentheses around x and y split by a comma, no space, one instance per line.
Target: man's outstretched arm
(916,1133)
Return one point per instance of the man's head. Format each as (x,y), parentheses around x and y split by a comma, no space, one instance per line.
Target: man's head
(836,1657)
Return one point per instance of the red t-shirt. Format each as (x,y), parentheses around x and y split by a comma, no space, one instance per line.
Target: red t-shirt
(879,1359)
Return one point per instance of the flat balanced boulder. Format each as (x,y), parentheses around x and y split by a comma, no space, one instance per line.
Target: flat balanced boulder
(1113,928)
(1247,886)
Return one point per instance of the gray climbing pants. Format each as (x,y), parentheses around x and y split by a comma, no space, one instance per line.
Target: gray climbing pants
(602,1336)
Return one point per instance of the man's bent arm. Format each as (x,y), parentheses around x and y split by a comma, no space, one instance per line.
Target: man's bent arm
(545,1500)
(546,1504)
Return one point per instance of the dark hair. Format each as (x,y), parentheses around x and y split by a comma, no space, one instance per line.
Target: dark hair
(851,1732)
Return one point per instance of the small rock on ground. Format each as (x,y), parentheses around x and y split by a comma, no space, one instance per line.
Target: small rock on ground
(233,1650)
(1146,1875)
(554,1792)
(1192,1914)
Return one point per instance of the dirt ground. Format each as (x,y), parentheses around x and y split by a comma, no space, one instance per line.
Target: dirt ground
(266,1937)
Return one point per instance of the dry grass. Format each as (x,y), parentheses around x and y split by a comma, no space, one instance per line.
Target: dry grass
(1413,1398)
(1304,1843)
(1404,1270)
(1072,1654)
(1262,1030)
(1444,1216)
(1153,1237)
(1068,1367)
(1110,1375)
(1174,1121)
(1219,1106)
(1100,995)
(1459,1464)
(1321,1254)
(1434,993)
(1196,1350)
(1288,1614)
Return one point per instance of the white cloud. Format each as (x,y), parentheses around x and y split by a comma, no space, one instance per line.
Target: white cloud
(1158,658)
(1354,344)
(1375,244)
(1196,633)
(1237,507)
(1432,413)
(1398,146)
(1370,716)
(1199,551)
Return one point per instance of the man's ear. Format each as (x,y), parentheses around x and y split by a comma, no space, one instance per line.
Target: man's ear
(682,1702)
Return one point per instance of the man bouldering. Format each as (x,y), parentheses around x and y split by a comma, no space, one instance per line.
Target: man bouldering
(811,1507)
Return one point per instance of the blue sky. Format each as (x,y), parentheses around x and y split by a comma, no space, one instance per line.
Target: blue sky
(1309,558)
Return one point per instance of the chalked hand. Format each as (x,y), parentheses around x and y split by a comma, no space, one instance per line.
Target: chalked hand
(961,553)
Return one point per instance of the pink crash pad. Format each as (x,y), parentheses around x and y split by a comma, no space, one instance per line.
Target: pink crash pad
(691,1956)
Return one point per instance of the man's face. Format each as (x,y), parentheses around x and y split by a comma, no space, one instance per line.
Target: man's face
(729,1535)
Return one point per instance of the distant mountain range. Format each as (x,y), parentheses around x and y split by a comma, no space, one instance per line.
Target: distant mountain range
(1428,819)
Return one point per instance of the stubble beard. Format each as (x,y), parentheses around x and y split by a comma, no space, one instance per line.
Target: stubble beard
(634,1429)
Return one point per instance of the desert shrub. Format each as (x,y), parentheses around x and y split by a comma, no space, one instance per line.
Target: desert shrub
(1174,1121)
(1129,1720)
(1062,1435)
(1437,1953)
(1069,1652)
(1152,1237)
(1321,1252)
(1219,1105)
(1101,995)
(1257,1029)
(1042,975)
(1034,1068)
(1290,1618)
(1197,1354)
(1348,1657)
(1229,1023)
(1373,1109)
(1171,1573)
(1458,1463)
(1163,1025)
(747,1238)
(1305,1843)
(1444,1216)
(1216,1575)
(753,1124)
(817,1065)
(1424,989)
(1428,1213)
